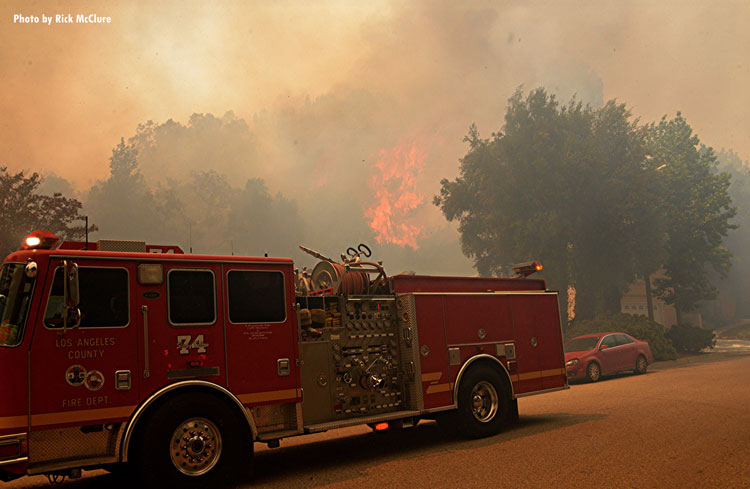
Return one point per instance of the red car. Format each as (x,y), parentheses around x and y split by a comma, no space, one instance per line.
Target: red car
(591,356)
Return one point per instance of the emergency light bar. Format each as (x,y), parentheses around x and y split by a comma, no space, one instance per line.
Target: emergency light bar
(527,268)
(40,240)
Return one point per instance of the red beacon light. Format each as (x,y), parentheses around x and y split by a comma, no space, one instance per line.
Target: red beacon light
(523,270)
(40,240)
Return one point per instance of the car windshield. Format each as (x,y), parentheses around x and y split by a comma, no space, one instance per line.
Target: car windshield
(581,344)
(15,297)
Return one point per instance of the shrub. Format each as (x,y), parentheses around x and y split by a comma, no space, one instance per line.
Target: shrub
(691,339)
(636,326)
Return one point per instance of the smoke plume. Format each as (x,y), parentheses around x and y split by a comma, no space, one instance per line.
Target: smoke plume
(350,112)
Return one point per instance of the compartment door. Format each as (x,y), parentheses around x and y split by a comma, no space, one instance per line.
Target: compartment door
(527,314)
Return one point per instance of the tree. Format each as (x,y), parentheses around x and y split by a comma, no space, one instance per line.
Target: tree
(569,185)
(123,203)
(738,280)
(260,222)
(23,210)
(195,211)
(698,209)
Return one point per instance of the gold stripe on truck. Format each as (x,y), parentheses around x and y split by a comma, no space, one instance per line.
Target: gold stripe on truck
(432,376)
(268,396)
(538,374)
(13,422)
(78,416)
(434,389)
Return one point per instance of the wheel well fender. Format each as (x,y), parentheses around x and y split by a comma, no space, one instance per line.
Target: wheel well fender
(482,359)
(168,392)
(593,360)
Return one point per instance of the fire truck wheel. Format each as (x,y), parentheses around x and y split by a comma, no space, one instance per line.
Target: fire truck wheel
(514,410)
(191,441)
(593,372)
(484,404)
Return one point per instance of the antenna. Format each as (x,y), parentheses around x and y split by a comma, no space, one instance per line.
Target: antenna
(86,246)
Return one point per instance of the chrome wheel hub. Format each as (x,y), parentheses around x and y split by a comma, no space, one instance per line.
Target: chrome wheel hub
(484,402)
(195,446)
(594,371)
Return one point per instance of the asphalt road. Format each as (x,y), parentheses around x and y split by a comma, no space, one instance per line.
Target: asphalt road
(685,424)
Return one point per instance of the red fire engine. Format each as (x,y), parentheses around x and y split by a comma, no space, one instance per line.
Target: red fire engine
(117,352)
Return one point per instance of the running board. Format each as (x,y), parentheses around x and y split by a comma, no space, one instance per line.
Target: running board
(70,464)
(331,425)
(562,388)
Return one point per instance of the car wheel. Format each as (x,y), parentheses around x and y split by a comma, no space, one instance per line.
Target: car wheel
(593,372)
(484,404)
(641,364)
(191,441)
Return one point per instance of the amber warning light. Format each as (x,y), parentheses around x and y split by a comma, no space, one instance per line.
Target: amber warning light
(40,240)
(527,268)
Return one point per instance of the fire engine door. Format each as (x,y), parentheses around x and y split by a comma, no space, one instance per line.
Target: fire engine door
(260,333)
(18,306)
(86,374)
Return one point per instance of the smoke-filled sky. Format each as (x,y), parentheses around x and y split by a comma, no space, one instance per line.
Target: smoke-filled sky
(345,95)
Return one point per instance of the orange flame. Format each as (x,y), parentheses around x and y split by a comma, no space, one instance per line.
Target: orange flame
(394,187)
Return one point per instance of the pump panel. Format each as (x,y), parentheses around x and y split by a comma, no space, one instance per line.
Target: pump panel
(351,359)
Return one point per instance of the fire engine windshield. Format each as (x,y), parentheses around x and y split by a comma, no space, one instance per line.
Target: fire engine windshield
(15,298)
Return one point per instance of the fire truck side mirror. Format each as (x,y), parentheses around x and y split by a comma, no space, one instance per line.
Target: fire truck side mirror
(72,317)
(31,270)
(72,297)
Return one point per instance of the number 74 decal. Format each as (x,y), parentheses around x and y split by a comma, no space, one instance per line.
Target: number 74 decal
(185,343)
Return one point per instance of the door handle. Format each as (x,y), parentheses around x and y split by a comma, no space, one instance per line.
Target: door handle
(144,310)
(283,367)
(122,380)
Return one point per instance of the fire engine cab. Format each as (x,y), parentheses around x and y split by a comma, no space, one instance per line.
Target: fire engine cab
(120,354)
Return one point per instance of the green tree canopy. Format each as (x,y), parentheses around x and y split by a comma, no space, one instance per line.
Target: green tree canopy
(23,210)
(203,210)
(569,185)
(698,209)
(123,201)
(596,197)
(739,277)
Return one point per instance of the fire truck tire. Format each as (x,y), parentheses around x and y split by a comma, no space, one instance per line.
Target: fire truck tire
(514,411)
(484,404)
(191,441)
(593,372)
